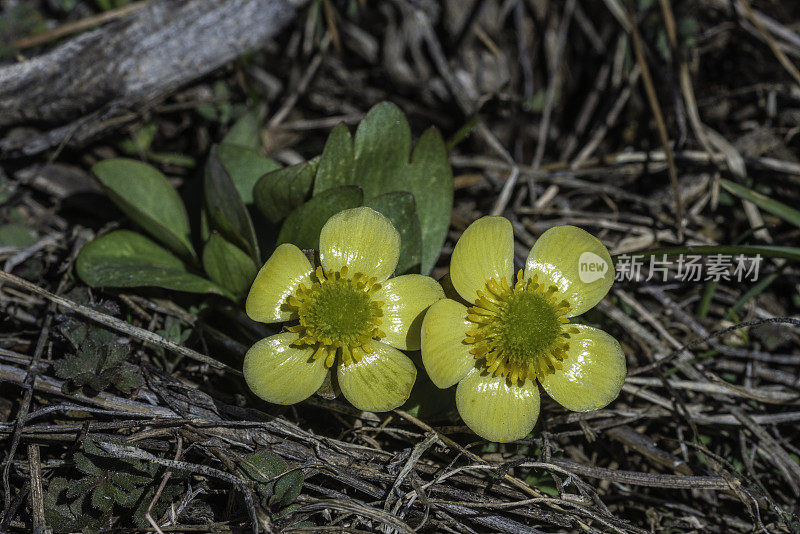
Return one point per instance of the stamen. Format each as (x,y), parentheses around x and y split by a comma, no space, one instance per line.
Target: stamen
(520,329)
(337,315)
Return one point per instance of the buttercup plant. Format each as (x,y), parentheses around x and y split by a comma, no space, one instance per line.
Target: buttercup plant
(352,318)
(518,332)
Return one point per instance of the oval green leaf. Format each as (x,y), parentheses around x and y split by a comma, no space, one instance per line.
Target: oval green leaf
(382,145)
(245,166)
(226,210)
(127,259)
(277,193)
(336,163)
(245,132)
(228,265)
(145,195)
(400,208)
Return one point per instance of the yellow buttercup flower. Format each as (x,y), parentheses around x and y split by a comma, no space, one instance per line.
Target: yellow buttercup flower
(352,318)
(517,331)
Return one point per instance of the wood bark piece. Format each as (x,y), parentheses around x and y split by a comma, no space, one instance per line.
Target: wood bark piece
(99,79)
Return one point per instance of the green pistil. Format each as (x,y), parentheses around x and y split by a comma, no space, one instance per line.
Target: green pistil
(338,316)
(520,331)
(528,327)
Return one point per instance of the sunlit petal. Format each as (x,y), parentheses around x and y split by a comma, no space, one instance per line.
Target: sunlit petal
(592,374)
(381,381)
(495,410)
(485,250)
(445,355)
(286,269)
(363,240)
(574,261)
(280,373)
(405,300)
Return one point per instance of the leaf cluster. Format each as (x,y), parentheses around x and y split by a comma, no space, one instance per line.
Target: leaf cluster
(376,168)
(108,487)
(99,358)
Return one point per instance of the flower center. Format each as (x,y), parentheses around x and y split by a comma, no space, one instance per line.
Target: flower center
(337,315)
(520,332)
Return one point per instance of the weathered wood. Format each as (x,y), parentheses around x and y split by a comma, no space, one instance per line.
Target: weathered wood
(99,79)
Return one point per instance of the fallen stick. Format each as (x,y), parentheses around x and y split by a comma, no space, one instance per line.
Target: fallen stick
(117,324)
(100,79)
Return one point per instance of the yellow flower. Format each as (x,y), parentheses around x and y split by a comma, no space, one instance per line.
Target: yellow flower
(517,331)
(352,318)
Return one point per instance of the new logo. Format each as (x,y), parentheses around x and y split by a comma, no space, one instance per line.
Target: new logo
(591,267)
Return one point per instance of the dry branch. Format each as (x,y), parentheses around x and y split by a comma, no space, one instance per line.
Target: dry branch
(100,79)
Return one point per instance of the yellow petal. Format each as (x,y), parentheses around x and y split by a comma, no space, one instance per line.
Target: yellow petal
(444,354)
(363,240)
(381,381)
(495,410)
(280,373)
(593,371)
(286,269)
(485,250)
(405,299)
(574,261)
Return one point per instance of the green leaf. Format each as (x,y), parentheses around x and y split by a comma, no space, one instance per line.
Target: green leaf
(245,132)
(382,145)
(279,192)
(127,378)
(90,447)
(168,496)
(145,195)
(430,179)
(17,236)
(400,208)
(97,363)
(227,265)
(790,215)
(226,210)
(127,259)
(62,514)
(287,488)
(303,225)
(125,497)
(84,485)
(102,497)
(172,158)
(273,476)
(114,355)
(336,164)
(463,132)
(245,166)
(263,466)
(86,467)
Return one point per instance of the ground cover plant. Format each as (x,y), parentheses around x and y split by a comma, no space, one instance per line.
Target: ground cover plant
(155,155)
